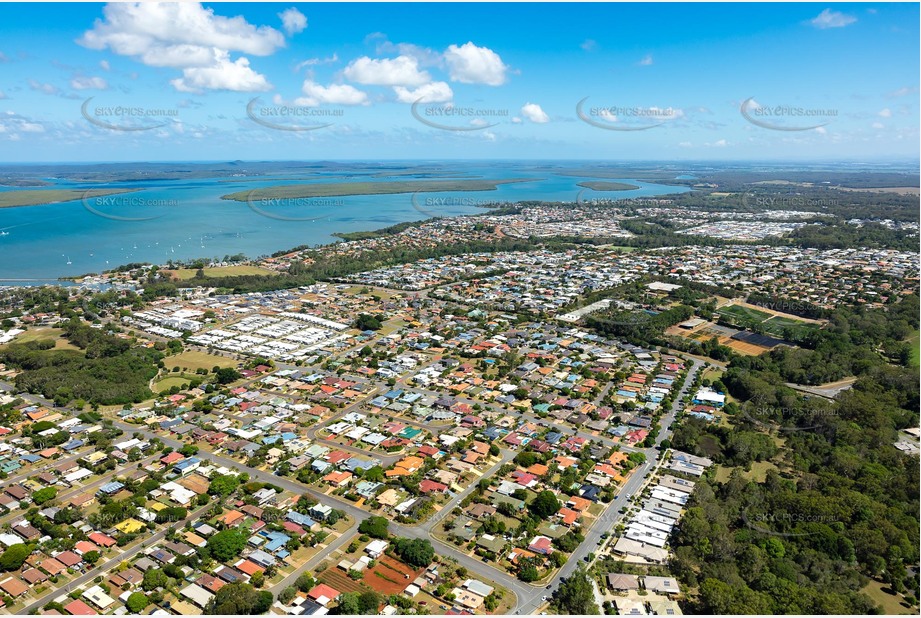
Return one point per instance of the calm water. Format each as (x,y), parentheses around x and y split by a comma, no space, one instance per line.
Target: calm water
(54,240)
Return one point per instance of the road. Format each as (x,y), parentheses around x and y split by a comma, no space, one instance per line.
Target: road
(612,515)
(107,566)
(528,597)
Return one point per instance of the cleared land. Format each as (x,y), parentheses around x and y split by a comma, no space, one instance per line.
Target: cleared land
(604,185)
(36,197)
(336,189)
(882,595)
(169,382)
(38,334)
(184,274)
(915,358)
(190,360)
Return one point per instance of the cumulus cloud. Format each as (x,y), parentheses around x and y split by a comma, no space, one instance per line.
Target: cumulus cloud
(186,36)
(89,83)
(223,75)
(399,71)
(534,113)
(335,94)
(832,19)
(470,64)
(293,21)
(885,113)
(104,65)
(878,125)
(434,92)
(645,61)
(589,45)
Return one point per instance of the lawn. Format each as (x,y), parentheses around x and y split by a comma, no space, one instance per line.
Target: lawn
(891,603)
(44,333)
(184,274)
(171,381)
(190,360)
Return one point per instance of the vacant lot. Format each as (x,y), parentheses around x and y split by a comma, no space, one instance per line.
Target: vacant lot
(190,360)
(169,382)
(390,576)
(183,274)
(44,333)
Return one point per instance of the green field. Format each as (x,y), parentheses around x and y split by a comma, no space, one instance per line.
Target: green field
(338,189)
(190,360)
(770,324)
(184,274)
(36,197)
(892,604)
(38,334)
(170,381)
(605,185)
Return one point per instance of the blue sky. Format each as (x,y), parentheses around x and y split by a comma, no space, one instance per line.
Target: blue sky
(471,81)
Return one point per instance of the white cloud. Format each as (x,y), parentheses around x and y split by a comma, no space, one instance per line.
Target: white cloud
(89,83)
(425,56)
(589,45)
(832,19)
(104,65)
(878,125)
(685,144)
(885,113)
(399,71)
(293,21)
(335,94)
(902,92)
(534,113)
(720,143)
(646,60)
(3,57)
(224,75)
(470,64)
(435,92)
(3,95)
(189,37)
(312,62)
(43,88)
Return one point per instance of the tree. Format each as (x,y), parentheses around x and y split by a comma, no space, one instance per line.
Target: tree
(240,599)
(223,485)
(258,579)
(575,596)
(226,544)
(136,602)
(367,322)
(15,556)
(287,595)
(358,604)
(416,552)
(42,496)
(226,375)
(91,557)
(153,579)
(544,505)
(375,526)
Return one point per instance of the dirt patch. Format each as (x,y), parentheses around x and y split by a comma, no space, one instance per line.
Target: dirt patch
(389,576)
(340,581)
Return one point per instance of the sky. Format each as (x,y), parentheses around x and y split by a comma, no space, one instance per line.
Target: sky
(289,81)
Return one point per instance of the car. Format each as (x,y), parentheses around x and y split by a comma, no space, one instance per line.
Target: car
(549,586)
(442,607)
(543,598)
